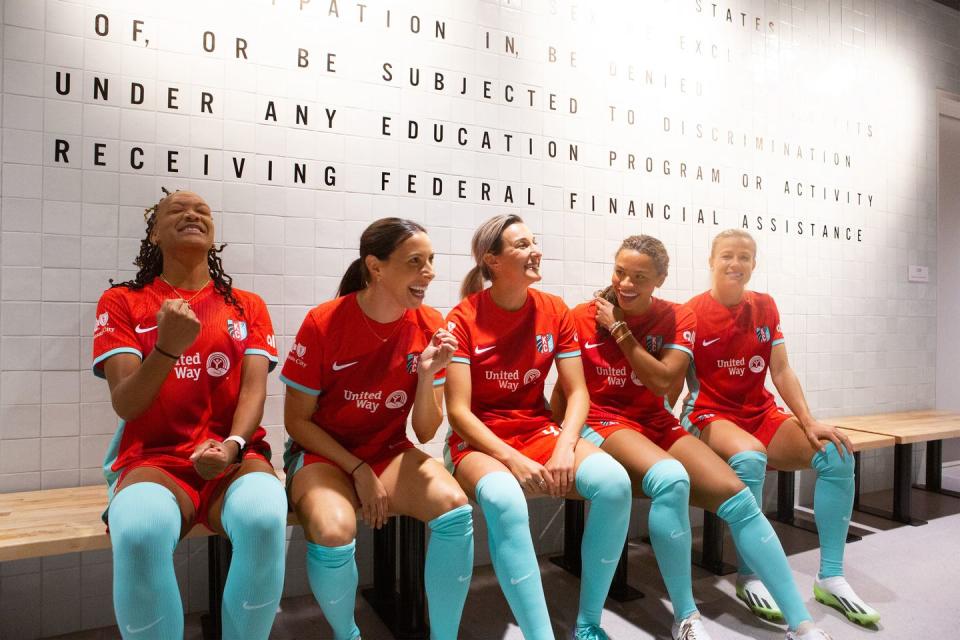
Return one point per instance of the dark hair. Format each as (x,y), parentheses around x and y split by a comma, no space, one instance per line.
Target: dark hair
(380,240)
(488,238)
(648,246)
(150,261)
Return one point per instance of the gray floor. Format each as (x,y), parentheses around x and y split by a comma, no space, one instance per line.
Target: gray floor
(910,574)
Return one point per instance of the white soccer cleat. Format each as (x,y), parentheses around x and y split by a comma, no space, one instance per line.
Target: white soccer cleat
(836,592)
(690,628)
(806,631)
(755,595)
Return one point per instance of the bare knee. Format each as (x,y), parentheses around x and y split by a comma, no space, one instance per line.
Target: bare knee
(333,529)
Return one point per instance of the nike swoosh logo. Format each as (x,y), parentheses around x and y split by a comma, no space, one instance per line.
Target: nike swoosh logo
(462,578)
(707,343)
(140,329)
(149,626)
(338,599)
(677,534)
(611,561)
(516,581)
(587,345)
(478,350)
(338,367)
(768,538)
(253,607)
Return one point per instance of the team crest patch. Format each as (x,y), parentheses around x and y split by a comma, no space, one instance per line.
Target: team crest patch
(545,343)
(653,344)
(763,333)
(413,362)
(237,329)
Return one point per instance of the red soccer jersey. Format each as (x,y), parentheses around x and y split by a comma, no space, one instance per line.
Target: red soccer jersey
(615,391)
(199,396)
(510,354)
(366,385)
(732,354)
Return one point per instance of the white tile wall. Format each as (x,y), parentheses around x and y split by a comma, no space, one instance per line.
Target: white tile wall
(859,334)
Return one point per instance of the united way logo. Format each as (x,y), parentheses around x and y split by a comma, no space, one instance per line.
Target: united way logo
(531,376)
(545,343)
(413,362)
(237,329)
(396,399)
(763,333)
(757,364)
(218,364)
(653,344)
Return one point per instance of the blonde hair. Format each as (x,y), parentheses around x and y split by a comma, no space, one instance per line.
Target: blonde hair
(648,246)
(732,233)
(488,238)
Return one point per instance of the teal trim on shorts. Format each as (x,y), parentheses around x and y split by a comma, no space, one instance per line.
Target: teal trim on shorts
(679,348)
(440,381)
(591,436)
(113,352)
(266,354)
(569,354)
(299,387)
(460,359)
(777,341)
(448,459)
(112,477)
(294,465)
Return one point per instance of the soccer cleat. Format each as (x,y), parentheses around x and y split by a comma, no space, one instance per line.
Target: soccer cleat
(690,628)
(755,595)
(836,592)
(806,631)
(590,632)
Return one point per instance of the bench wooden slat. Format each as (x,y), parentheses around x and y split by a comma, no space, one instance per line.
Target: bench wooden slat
(907,427)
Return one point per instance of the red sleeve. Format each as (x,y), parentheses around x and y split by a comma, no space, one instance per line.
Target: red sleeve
(568,342)
(456,324)
(261,340)
(777,336)
(303,369)
(685,334)
(113,331)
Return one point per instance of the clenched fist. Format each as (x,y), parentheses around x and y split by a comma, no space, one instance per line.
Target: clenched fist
(177,326)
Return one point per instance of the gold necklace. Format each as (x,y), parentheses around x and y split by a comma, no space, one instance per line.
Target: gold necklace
(396,323)
(179,295)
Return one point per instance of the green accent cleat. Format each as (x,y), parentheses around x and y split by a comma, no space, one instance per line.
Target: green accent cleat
(751,590)
(836,592)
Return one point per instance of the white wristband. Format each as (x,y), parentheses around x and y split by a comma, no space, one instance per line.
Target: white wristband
(240,443)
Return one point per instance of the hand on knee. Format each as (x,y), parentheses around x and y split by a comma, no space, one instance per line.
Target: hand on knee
(829,463)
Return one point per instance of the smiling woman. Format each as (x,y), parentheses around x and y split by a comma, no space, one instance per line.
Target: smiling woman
(187,366)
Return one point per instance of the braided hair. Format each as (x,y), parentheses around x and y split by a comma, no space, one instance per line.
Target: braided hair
(150,261)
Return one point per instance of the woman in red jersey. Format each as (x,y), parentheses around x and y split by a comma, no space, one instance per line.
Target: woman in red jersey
(730,409)
(360,365)
(186,357)
(504,442)
(635,349)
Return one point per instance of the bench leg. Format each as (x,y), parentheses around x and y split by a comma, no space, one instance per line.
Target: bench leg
(902,481)
(219,552)
(574,519)
(711,558)
(403,610)
(934,479)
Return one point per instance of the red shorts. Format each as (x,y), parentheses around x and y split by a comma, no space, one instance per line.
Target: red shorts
(378,462)
(762,426)
(202,493)
(663,433)
(538,446)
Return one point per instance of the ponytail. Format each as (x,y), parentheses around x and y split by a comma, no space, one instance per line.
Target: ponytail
(472,283)
(354,279)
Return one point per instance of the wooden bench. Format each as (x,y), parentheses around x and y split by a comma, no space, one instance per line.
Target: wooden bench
(34,524)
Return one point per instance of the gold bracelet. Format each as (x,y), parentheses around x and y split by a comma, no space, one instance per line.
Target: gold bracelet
(628,334)
(616,327)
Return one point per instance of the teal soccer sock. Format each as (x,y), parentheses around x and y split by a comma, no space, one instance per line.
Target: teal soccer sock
(758,544)
(511,549)
(332,572)
(751,468)
(254,517)
(448,570)
(832,504)
(603,482)
(144,530)
(668,486)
